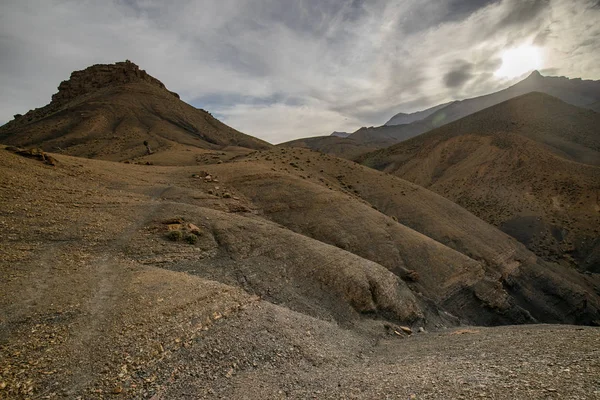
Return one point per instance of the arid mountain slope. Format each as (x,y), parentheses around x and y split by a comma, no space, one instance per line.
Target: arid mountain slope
(109,111)
(528,166)
(291,269)
(340,134)
(334,145)
(403,118)
(581,93)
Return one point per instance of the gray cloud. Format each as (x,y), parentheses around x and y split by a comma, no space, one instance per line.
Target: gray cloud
(458,75)
(424,15)
(281,70)
(523,11)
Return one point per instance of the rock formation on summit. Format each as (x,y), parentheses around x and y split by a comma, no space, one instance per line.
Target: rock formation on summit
(108,111)
(102,76)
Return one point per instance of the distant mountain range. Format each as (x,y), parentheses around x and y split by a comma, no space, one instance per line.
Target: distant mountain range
(402,118)
(581,93)
(578,92)
(340,134)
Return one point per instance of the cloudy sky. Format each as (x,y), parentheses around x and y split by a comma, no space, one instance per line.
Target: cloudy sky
(283,69)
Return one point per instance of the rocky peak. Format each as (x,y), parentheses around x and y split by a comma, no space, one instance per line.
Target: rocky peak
(100,76)
(87,81)
(534,76)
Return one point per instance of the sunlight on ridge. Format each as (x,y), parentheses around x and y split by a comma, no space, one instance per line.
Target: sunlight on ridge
(520,60)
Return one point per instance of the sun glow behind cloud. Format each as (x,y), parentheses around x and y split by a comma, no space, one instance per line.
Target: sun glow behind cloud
(520,60)
(285,70)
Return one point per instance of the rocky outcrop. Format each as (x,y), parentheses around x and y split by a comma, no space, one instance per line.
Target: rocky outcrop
(87,81)
(100,76)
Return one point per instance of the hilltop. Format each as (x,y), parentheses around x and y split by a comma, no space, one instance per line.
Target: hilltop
(110,111)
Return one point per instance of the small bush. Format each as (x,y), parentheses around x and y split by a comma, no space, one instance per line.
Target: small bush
(191,238)
(174,236)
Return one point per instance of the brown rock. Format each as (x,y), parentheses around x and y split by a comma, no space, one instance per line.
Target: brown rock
(194,229)
(406,329)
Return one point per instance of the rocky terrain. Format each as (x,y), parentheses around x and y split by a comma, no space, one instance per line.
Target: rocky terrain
(118,112)
(529,166)
(264,272)
(251,305)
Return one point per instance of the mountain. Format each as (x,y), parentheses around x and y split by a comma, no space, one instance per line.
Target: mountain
(340,134)
(578,92)
(343,147)
(582,93)
(402,118)
(530,166)
(239,265)
(109,111)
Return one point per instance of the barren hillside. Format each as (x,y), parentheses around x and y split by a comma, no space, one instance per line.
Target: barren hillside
(109,111)
(221,266)
(334,145)
(528,166)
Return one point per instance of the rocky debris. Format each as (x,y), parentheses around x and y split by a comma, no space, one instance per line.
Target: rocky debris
(406,330)
(37,154)
(148,149)
(178,229)
(194,229)
(411,276)
(174,227)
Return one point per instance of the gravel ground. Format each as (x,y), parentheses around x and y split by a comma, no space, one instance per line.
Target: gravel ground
(297,358)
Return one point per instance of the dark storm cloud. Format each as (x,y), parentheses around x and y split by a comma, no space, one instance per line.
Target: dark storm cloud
(459,75)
